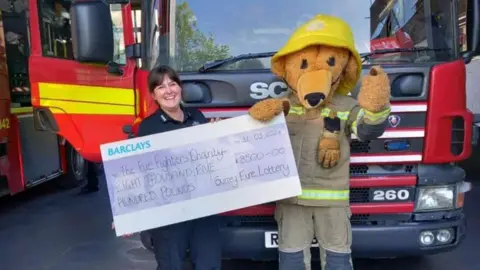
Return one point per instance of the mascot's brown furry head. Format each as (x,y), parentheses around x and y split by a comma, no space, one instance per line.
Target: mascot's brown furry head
(319,60)
(321,65)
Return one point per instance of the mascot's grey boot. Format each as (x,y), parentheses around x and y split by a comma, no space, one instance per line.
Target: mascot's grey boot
(290,261)
(337,261)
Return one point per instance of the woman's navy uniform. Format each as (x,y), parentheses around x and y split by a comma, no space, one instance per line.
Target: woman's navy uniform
(200,236)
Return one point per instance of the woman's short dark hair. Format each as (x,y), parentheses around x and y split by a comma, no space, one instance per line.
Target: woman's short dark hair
(157,75)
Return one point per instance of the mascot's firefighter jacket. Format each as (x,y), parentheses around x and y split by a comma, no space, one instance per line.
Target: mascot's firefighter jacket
(321,66)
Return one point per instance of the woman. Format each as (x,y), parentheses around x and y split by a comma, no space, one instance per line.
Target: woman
(200,236)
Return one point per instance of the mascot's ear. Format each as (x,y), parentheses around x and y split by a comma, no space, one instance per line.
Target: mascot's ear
(278,67)
(351,70)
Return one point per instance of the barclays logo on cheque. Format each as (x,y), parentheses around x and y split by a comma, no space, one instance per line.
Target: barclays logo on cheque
(129,148)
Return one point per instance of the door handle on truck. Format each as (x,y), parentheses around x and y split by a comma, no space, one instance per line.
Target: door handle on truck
(128,129)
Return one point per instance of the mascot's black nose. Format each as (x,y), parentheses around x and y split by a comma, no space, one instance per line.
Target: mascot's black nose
(314,98)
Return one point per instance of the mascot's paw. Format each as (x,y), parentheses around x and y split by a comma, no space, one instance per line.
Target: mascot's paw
(328,152)
(266,110)
(374,93)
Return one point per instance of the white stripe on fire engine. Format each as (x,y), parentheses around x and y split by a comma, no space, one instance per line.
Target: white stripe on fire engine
(385,158)
(409,108)
(394,109)
(400,134)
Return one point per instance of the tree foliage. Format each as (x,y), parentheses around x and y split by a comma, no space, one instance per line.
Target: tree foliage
(194,48)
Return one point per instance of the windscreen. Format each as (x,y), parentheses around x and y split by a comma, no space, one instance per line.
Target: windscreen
(198,32)
(414,23)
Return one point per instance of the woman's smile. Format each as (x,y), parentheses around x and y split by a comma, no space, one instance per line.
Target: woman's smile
(170,97)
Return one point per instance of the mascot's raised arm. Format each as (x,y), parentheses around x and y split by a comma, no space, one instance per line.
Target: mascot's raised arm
(321,66)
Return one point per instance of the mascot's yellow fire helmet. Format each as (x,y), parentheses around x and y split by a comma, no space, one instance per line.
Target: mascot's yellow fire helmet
(321,30)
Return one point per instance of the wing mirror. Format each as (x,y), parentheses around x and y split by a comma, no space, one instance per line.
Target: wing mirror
(473,30)
(92,31)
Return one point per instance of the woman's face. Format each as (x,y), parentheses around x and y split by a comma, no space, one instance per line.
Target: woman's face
(167,94)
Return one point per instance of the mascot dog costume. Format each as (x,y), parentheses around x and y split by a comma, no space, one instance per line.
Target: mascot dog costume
(321,66)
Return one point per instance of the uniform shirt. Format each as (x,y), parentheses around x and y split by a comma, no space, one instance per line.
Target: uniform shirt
(161,122)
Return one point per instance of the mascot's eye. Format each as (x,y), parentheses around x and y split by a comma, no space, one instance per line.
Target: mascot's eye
(331,61)
(304,64)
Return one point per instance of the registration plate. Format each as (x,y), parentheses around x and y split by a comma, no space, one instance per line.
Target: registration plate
(271,240)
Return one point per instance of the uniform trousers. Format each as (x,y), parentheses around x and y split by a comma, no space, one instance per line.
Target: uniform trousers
(298,226)
(200,236)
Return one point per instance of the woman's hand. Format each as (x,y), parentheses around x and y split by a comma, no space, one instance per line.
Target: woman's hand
(125,235)
(213,120)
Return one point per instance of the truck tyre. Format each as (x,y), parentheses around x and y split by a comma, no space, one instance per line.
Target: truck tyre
(77,169)
(147,241)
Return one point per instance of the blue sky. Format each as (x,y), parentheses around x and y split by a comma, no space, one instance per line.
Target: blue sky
(265,25)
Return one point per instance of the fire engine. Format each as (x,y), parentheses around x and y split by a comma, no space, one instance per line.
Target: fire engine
(407,192)
(29,156)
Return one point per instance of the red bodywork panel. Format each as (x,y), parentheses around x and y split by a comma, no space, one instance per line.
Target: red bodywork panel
(80,128)
(357,208)
(148,105)
(85,131)
(14,167)
(446,100)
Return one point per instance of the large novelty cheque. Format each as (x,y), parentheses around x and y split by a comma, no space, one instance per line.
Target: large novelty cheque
(157,180)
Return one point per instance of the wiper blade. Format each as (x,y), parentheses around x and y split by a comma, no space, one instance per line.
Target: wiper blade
(395,50)
(233,59)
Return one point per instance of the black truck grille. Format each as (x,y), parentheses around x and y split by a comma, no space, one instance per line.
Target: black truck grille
(359,195)
(359,146)
(379,146)
(458,132)
(356,219)
(361,170)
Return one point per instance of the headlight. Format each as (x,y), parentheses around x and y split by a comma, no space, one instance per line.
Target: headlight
(435,198)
